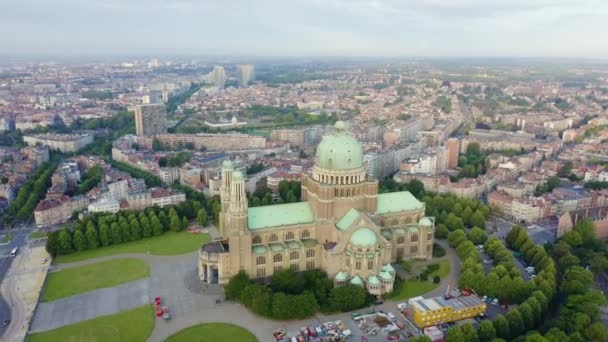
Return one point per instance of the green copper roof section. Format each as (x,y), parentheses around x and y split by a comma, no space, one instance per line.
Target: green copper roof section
(399,231)
(259,250)
(293,245)
(386,233)
(237,176)
(397,201)
(364,237)
(339,151)
(388,268)
(425,221)
(348,219)
(227,164)
(356,281)
(341,276)
(373,280)
(276,247)
(279,215)
(385,275)
(413,229)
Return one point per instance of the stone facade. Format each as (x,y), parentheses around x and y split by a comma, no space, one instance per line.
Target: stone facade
(343,226)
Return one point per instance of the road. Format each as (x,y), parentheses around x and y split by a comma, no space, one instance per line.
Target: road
(19,233)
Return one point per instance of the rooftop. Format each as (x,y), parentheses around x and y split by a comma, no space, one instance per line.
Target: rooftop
(348,219)
(279,215)
(397,201)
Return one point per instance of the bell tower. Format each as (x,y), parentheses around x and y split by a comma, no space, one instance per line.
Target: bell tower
(227,170)
(237,228)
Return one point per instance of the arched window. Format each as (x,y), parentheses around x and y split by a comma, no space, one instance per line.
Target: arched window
(278,268)
(289,236)
(305,234)
(401,239)
(293,255)
(310,265)
(261,260)
(256,240)
(414,249)
(347,261)
(370,264)
(358,265)
(261,272)
(414,237)
(310,253)
(294,267)
(273,238)
(277,258)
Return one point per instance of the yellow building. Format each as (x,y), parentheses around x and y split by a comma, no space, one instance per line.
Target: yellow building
(433,311)
(342,226)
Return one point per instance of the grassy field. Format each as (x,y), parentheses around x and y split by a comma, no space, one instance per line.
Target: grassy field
(413,288)
(212,332)
(38,235)
(170,243)
(444,269)
(85,278)
(128,326)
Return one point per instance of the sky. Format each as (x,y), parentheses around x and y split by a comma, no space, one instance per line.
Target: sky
(374,28)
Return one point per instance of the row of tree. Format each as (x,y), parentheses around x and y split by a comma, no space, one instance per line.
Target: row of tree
(113,229)
(505,282)
(453,213)
(150,179)
(292,295)
(31,192)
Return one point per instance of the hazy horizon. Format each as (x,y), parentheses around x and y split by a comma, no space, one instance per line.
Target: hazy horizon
(315,28)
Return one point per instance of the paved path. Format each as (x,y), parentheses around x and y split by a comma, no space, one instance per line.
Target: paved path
(175,280)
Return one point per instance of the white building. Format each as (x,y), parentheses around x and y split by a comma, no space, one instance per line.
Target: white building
(105,205)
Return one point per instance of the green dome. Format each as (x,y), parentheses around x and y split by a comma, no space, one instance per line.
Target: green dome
(364,237)
(227,164)
(425,221)
(237,176)
(339,151)
(356,281)
(385,275)
(341,276)
(373,280)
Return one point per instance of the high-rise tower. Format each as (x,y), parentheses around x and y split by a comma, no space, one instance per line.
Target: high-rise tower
(150,119)
(244,74)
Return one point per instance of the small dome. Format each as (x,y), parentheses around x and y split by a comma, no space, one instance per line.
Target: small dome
(373,280)
(339,151)
(227,164)
(385,275)
(237,176)
(364,237)
(356,281)
(341,276)
(425,221)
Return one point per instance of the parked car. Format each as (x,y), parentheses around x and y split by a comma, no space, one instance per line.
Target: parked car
(495,301)
(401,306)
(392,337)
(391,316)
(6,322)
(484,298)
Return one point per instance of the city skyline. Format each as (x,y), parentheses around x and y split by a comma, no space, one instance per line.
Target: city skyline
(565,28)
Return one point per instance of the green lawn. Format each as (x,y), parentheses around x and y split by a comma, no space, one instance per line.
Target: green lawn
(444,269)
(128,326)
(212,332)
(85,278)
(170,243)
(413,288)
(6,238)
(38,235)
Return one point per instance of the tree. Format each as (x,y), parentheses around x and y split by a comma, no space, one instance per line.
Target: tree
(79,241)
(174,222)
(501,325)
(486,331)
(287,281)
(347,297)
(455,335)
(466,215)
(136,232)
(92,238)
(164,219)
(146,227)
(185,223)
(527,315)
(469,333)
(516,323)
(477,236)
(416,187)
(596,332)
(236,285)
(104,235)
(65,241)
(478,219)
(454,222)
(201,217)
(156,145)
(115,233)
(157,228)
(576,280)
(441,231)
(52,244)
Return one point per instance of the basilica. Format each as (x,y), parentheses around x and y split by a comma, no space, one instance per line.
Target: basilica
(342,226)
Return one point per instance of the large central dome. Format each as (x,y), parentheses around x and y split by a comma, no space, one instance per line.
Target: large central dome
(339,151)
